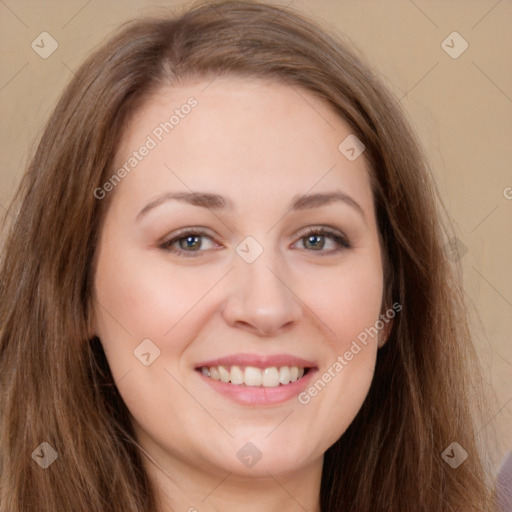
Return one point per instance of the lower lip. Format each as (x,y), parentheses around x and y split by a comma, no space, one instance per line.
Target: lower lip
(259,395)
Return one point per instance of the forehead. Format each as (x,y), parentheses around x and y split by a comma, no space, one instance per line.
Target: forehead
(245,136)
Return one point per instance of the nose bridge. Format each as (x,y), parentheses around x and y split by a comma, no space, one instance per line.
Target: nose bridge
(259,297)
(262,285)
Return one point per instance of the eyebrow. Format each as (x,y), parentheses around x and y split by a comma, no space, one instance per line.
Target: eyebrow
(218,202)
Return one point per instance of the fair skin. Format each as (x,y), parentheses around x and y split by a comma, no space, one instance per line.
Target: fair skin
(259,144)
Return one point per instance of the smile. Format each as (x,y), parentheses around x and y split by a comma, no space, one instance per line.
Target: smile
(252,376)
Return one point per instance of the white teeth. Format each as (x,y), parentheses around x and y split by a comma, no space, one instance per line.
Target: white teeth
(270,377)
(252,376)
(214,373)
(224,374)
(284,375)
(237,375)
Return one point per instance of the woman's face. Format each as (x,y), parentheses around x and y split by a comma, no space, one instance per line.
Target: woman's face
(241,245)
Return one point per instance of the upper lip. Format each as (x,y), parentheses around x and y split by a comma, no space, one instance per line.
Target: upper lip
(258,361)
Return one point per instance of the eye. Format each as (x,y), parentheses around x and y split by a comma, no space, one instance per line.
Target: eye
(190,240)
(316,239)
(187,242)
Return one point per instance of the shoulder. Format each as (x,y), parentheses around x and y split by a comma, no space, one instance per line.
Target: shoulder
(504,486)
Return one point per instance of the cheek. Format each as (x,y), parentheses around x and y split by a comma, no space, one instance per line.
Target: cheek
(348,303)
(145,298)
(141,298)
(347,300)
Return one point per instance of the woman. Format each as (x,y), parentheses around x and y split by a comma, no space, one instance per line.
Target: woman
(226,286)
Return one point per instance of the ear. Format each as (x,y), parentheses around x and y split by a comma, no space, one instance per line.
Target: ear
(91,333)
(91,330)
(387,318)
(384,333)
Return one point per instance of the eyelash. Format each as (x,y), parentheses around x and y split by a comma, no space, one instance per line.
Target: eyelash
(341,240)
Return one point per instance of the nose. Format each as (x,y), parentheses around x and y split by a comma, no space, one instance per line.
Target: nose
(260,298)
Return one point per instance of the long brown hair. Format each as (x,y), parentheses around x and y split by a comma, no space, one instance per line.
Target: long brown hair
(56,386)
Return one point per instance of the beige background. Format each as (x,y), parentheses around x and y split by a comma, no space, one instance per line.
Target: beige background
(461,109)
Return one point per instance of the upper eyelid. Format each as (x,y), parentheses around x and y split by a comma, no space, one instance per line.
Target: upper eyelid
(183,234)
(199,231)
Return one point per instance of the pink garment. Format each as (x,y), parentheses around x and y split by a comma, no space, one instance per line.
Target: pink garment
(504,486)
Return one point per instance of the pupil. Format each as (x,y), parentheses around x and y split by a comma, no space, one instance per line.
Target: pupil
(312,239)
(191,242)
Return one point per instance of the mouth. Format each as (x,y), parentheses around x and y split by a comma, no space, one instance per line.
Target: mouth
(250,379)
(252,376)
